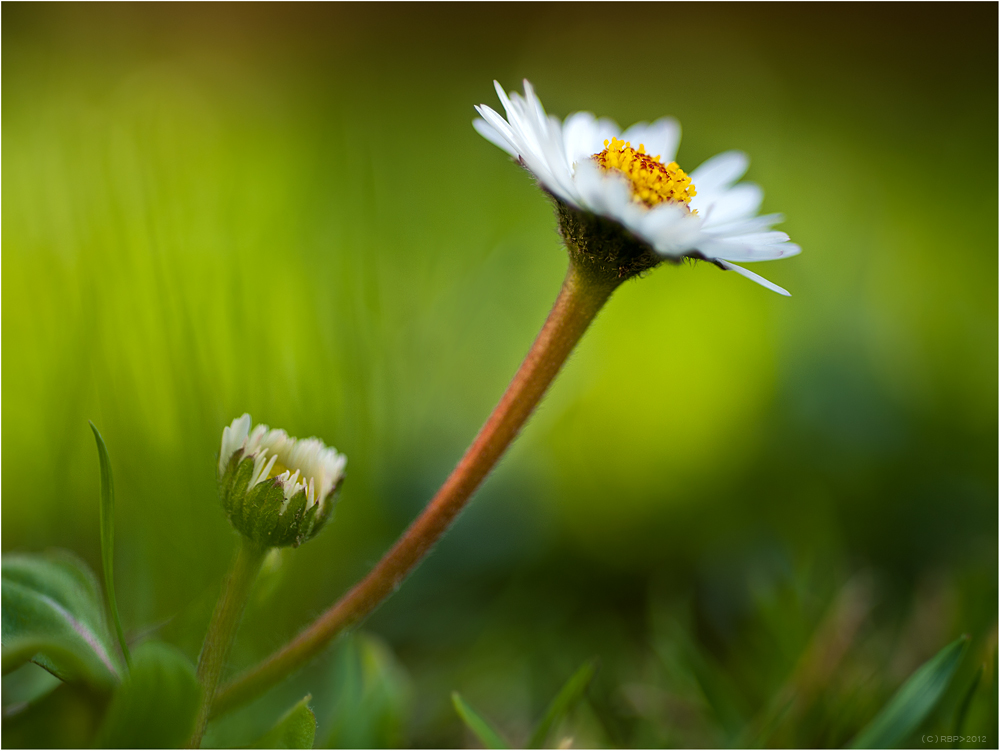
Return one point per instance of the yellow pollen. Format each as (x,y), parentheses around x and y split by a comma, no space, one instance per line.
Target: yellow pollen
(652,181)
(277,469)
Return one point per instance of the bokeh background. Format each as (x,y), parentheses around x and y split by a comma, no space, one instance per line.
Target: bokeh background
(728,497)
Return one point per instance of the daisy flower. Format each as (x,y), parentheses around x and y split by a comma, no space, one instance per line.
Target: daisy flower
(276,489)
(623,203)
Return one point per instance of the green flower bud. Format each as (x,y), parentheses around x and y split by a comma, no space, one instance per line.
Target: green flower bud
(275,489)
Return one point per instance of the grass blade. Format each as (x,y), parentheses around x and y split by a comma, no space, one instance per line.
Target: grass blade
(485,732)
(914,700)
(108,537)
(963,708)
(567,698)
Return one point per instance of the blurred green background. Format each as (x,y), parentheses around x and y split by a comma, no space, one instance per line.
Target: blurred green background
(212,209)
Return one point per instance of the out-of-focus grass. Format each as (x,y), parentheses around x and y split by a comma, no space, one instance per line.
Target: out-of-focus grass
(211,210)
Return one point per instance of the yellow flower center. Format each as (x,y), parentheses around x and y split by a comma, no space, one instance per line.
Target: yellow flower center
(277,469)
(652,181)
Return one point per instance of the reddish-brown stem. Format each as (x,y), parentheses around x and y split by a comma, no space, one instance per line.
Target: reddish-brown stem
(578,303)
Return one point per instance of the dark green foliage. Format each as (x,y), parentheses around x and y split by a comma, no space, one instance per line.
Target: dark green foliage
(52,613)
(155,706)
(963,708)
(567,698)
(565,701)
(914,700)
(481,728)
(66,717)
(296,729)
(369,699)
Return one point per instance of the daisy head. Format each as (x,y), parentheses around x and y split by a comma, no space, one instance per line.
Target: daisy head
(624,204)
(277,490)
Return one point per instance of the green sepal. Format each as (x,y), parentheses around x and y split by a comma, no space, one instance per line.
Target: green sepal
(234,483)
(256,512)
(286,531)
(261,509)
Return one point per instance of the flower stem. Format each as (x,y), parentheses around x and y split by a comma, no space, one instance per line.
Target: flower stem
(579,301)
(222,629)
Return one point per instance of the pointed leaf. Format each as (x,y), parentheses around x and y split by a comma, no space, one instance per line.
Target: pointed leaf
(296,729)
(963,707)
(914,700)
(482,729)
(51,601)
(155,706)
(108,538)
(565,700)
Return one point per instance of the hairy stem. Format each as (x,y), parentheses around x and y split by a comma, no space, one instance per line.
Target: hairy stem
(579,301)
(222,629)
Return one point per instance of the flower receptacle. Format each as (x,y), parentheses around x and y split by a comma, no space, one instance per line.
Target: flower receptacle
(602,250)
(263,513)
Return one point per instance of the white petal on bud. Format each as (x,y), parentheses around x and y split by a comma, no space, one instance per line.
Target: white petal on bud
(313,466)
(261,468)
(233,438)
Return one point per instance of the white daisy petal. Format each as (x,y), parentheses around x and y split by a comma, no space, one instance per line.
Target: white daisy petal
(737,203)
(490,133)
(719,222)
(719,172)
(601,193)
(660,138)
(579,135)
(233,438)
(749,253)
(745,226)
(584,135)
(671,231)
(756,278)
(760,238)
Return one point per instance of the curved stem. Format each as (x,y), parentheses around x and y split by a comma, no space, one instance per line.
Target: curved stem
(579,301)
(222,629)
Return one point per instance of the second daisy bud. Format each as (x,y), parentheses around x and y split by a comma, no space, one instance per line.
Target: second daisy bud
(277,490)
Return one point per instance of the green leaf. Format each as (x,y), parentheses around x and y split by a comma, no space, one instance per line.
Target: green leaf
(25,686)
(963,707)
(565,700)
(296,729)
(914,700)
(482,729)
(155,706)
(51,602)
(108,537)
(20,651)
(370,695)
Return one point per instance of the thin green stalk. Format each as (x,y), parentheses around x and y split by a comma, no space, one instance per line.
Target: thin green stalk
(579,301)
(222,629)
